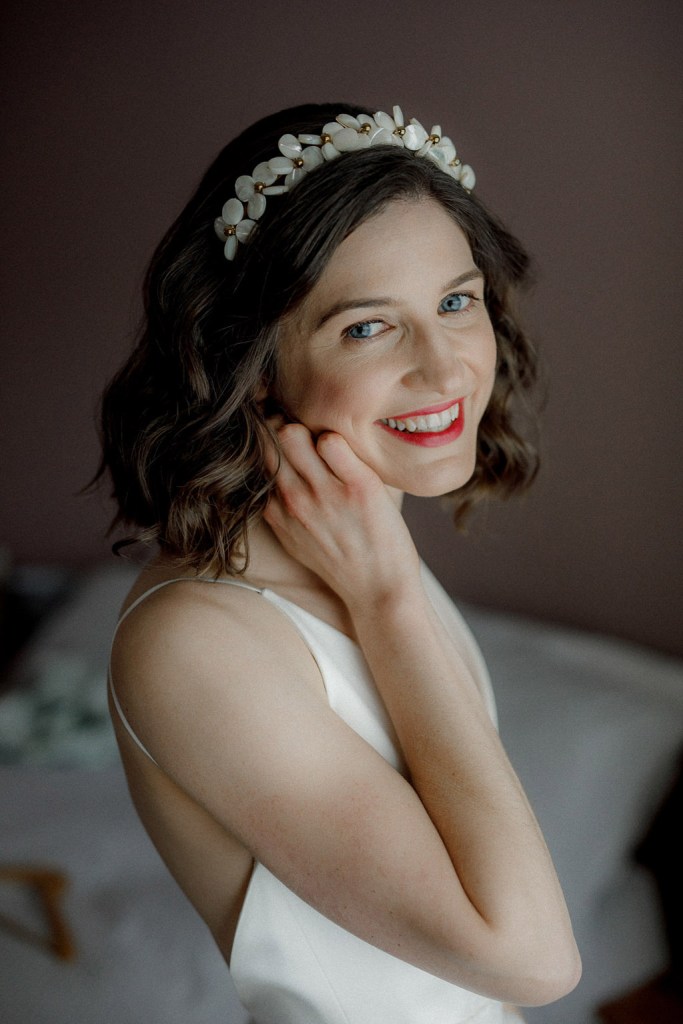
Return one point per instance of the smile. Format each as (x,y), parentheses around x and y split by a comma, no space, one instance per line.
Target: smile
(428,428)
(433,422)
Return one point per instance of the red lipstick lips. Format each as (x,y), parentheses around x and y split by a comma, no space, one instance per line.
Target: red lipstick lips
(428,438)
(432,408)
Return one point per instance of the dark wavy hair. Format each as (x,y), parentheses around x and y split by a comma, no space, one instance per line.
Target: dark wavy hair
(183,426)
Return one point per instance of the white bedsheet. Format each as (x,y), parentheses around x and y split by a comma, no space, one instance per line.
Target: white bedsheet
(143,955)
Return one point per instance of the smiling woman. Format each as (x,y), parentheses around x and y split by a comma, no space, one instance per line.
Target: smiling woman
(417,371)
(311,745)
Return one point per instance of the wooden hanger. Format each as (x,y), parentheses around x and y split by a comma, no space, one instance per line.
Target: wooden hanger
(49,885)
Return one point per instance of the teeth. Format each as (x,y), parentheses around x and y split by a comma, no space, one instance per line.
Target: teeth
(433,422)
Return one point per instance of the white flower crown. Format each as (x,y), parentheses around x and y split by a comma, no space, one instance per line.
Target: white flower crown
(301,154)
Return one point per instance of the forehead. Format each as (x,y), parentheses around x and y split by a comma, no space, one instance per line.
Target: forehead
(408,242)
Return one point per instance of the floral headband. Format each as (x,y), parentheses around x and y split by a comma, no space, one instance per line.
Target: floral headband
(301,154)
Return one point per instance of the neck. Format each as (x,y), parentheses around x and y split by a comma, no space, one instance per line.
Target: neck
(396,496)
(269,560)
(271,565)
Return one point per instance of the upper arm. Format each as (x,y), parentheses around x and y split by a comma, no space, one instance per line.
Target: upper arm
(232,710)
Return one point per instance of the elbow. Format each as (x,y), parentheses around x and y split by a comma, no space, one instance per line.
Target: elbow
(523,966)
(551,979)
(535,972)
(570,977)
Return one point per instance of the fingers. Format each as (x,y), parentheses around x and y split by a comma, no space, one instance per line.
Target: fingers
(287,448)
(331,512)
(313,458)
(342,461)
(300,458)
(305,483)
(300,464)
(300,478)
(306,468)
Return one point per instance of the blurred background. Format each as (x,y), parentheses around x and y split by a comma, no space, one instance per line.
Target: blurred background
(570,114)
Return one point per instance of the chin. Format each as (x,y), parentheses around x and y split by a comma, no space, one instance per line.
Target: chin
(435,485)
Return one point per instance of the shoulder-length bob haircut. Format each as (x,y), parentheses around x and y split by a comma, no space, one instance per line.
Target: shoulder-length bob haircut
(183,423)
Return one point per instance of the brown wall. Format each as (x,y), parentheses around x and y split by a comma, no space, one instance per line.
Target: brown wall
(570,114)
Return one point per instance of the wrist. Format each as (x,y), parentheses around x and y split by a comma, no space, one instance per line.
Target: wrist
(398,605)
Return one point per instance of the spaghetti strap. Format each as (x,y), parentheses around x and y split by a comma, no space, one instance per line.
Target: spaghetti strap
(181,579)
(131,607)
(124,721)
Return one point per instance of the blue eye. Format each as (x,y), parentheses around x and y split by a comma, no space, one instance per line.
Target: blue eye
(456,303)
(366,329)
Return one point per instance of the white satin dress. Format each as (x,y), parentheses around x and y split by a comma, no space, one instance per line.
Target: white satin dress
(289,963)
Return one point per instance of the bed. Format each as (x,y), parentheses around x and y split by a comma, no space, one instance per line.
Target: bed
(594,727)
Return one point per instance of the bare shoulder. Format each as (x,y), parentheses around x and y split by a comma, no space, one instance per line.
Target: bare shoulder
(193,644)
(200,624)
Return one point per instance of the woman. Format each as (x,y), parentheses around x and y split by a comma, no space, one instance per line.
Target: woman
(311,745)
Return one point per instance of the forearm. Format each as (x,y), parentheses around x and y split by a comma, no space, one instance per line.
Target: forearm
(489,907)
(464,779)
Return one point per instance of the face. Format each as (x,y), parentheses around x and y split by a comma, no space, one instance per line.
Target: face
(394,350)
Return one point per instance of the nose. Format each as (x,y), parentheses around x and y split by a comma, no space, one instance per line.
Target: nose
(435,361)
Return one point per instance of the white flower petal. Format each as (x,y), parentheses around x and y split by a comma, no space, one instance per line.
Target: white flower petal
(398,117)
(256,206)
(244,229)
(312,157)
(349,121)
(331,128)
(289,146)
(294,176)
(233,211)
(366,119)
(329,151)
(467,177)
(414,137)
(380,137)
(280,165)
(291,151)
(384,121)
(437,157)
(262,172)
(423,150)
(347,140)
(230,247)
(274,190)
(219,227)
(310,140)
(244,187)
(447,148)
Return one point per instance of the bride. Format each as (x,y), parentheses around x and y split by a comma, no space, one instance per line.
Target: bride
(306,723)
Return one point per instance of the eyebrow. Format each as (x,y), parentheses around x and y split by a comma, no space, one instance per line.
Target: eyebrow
(383,300)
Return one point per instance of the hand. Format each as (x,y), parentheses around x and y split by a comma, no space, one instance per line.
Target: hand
(333,513)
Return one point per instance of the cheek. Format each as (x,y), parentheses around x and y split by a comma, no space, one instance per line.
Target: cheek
(318,399)
(331,402)
(490,361)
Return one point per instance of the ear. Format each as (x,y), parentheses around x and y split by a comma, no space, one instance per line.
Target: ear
(261,393)
(268,403)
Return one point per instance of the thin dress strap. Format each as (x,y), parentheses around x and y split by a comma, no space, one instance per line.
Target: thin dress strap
(131,607)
